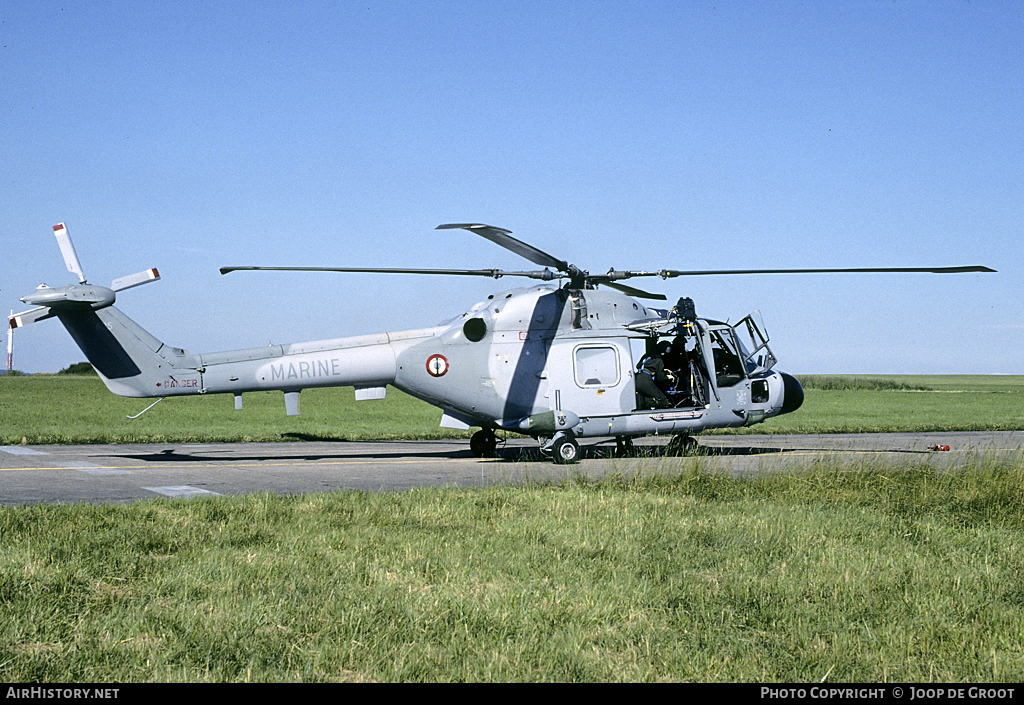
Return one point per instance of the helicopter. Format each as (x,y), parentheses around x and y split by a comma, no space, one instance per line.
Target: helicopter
(558,361)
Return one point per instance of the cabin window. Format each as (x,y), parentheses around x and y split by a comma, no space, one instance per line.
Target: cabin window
(596,366)
(475,329)
(759,391)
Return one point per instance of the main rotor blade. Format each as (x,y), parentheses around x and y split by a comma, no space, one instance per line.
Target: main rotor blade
(502,237)
(546,275)
(670,273)
(631,290)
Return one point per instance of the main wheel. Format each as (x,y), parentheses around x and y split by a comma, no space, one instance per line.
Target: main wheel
(623,447)
(566,451)
(681,445)
(483,443)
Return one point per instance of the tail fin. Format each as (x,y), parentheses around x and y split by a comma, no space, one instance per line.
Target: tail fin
(131,362)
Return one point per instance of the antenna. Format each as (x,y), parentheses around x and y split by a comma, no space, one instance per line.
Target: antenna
(10,344)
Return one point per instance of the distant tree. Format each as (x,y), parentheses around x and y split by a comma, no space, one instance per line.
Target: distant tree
(79,368)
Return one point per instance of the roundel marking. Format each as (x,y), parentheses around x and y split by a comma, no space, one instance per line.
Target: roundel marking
(437,365)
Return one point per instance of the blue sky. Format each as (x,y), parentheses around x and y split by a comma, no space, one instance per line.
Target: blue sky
(647,135)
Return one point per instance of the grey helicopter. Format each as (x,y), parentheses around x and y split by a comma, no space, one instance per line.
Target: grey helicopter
(575,356)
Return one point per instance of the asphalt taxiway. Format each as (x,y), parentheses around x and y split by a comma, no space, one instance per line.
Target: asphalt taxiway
(127,473)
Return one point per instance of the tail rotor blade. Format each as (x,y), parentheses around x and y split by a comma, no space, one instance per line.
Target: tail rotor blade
(67,249)
(137,279)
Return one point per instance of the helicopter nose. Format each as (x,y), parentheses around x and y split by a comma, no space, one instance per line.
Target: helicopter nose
(792,394)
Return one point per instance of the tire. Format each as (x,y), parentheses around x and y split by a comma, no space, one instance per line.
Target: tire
(624,448)
(483,444)
(682,445)
(566,451)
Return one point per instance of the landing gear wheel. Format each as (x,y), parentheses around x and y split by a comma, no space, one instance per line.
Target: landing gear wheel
(623,447)
(483,443)
(681,445)
(566,451)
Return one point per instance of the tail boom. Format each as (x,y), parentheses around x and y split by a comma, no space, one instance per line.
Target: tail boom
(133,363)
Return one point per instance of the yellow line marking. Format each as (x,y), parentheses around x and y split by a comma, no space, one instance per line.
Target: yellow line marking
(236,464)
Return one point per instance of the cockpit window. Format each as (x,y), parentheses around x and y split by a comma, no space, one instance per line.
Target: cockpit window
(740,351)
(727,356)
(753,342)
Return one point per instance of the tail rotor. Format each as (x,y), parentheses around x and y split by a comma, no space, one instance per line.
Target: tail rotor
(81,296)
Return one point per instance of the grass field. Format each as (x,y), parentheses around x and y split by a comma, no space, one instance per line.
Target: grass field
(834,576)
(863,403)
(78,409)
(854,573)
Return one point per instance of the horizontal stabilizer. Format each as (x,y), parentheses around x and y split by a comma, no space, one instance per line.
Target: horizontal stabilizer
(133,280)
(20,320)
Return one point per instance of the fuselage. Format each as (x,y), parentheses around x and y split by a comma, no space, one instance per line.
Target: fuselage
(512,361)
(524,360)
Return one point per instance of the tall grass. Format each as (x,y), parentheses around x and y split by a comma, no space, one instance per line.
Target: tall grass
(832,383)
(843,573)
